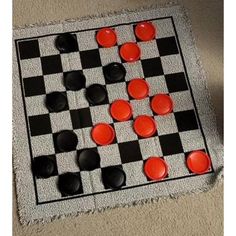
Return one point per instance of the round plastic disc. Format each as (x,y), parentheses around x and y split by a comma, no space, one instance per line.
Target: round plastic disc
(144,126)
(198,162)
(114,72)
(162,104)
(138,88)
(106,37)
(113,177)
(121,110)
(69,183)
(66,43)
(43,166)
(145,31)
(103,134)
(56,101)
(155,168)
(74,80)
(66,140)
(88,159)
(130,52)
(96,94)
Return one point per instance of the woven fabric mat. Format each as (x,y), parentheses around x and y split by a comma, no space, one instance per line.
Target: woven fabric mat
(169,63)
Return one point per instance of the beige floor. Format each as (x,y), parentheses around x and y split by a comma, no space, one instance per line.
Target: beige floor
(200,214)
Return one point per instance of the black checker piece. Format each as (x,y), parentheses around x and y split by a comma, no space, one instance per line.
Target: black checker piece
(114,72)
(113,177)
(56,102)
(88,159)
(96,94)
(44,166)
(66,141)
(74,80)
(69,184)
(66,43)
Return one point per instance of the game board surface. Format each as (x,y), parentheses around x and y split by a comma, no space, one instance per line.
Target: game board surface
(41,69)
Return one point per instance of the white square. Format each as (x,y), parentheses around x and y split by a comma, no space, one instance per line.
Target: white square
(96,180)
(148,49)
(101,114)
(31,67)
(77,99)
(47,46)
(192,140)
(42,145)
(65,62)
(60,121)
(182,101)
(117,91)
(87,40)
(176,165)
(67,162)
(133,70)
(109,155)
(141,107)
(35,105)
(172,64)
(87,139)
(150,147)
(125,34)
(166,124)
(81,139)
(134,173)
(164,28)
(157,84)
(86,182)
(74,61)
(124,131)
(47,189)
(94,76)
(54,82)
(109,55)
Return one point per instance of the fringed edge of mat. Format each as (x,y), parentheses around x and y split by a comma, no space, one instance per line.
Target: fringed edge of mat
(99,15)
(217,178)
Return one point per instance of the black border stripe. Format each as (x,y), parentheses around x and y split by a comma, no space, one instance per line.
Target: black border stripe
(130,187)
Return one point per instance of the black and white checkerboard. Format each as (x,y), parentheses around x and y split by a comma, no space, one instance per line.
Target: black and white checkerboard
(162,65)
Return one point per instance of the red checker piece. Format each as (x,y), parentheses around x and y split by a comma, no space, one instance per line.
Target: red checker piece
(162,104)
(106,37)
(155,168)
(145,31)
(145,126)
(121,110)
(138,88)
(130,52)
(198,162)
(103,134)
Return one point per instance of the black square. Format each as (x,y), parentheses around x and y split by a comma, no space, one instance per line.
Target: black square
(80,190)
(186,120)
(51,64)
(40,125)
(176,82)
(34,86)
(170,144)
(90,58)
(152,67)
(29,49)
(130,152)
(81,118)
(167,46)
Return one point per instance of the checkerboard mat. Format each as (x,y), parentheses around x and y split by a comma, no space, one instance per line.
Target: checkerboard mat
(41,68)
